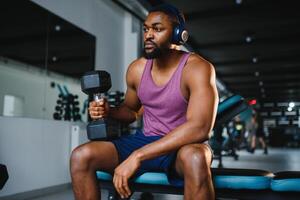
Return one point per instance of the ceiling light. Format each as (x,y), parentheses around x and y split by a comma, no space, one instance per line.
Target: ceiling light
(263,96)
(256,73)
(289,109)
(238,2)
(254,59)
(248,39)
(262,90)
(292,104)
(57,28)
(261,83)
(54,58)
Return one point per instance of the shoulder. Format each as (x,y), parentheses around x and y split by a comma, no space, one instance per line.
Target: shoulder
(137,65)
(199,68)
(135,71)
(196,63)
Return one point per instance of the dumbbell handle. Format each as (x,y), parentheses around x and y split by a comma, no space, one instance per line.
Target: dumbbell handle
(96,129)
(98,97)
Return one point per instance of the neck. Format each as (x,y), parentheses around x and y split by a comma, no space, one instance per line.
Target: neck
(167,59)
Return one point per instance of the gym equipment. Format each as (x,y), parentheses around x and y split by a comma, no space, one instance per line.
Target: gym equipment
(227,110)
(286,181)
(95,83)
(3,175)
(229,183)
(67,108)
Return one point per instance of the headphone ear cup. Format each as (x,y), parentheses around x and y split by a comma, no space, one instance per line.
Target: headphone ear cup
(176,35)
(180,35)
(184,36)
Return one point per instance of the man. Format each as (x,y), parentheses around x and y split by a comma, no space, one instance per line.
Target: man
(179,98)
(256,131)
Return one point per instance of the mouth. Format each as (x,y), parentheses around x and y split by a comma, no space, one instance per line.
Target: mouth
(149,45)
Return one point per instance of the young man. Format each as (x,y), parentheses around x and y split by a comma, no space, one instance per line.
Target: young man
(256,131)
(178,94)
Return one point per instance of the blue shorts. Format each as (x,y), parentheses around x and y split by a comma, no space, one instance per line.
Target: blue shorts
(125,145)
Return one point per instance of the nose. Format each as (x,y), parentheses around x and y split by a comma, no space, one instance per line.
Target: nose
(149,34)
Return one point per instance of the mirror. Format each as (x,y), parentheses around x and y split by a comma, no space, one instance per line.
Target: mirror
(42,57)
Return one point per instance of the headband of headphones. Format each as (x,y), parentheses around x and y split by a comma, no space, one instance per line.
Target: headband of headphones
(180,34)
(173,10)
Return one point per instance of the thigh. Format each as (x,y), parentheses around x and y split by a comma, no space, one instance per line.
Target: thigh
(101,155)
(125,145)
(202,148)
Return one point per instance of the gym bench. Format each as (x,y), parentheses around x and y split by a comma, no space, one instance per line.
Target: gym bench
(228,183)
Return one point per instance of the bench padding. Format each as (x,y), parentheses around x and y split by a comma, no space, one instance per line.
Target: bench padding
(250,179)
(223,178)
(154,178)
(286,181)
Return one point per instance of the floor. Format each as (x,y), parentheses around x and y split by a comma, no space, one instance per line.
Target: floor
(276,160)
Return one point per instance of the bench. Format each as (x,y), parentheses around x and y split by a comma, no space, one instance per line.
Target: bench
(228,183)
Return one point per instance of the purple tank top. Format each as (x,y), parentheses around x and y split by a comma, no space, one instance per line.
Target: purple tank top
(164,106)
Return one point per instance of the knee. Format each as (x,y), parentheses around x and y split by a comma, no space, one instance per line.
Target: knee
(81,158)
(194,158)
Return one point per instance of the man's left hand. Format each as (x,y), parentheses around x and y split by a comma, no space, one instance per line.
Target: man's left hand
(122,174)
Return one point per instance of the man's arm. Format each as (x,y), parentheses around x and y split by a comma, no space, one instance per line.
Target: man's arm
(128,111)
(201,112)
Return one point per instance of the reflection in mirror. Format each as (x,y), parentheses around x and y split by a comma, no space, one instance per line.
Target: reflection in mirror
(23,32)
(13,106)
(70,49)
(42,57)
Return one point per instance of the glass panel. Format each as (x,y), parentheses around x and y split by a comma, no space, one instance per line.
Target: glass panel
(42,57)
(22,55)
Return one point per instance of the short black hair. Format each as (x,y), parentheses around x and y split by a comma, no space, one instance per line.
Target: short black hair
(169,10)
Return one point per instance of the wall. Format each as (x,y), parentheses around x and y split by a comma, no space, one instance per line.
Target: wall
(131,43)
(37,152)
(33,85)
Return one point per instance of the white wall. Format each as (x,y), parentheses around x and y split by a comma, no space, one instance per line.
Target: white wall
(109,23)
(33,85)
(130,43)
(36,152)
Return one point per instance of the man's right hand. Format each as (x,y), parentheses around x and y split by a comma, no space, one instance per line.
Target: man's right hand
(99,109)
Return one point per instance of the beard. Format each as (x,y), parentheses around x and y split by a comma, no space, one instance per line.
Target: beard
(156,53)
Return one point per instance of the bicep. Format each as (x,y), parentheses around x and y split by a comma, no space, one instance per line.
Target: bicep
(131,99)
(203,99)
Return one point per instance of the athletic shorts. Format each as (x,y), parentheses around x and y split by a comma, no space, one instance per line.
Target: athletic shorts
(125,145)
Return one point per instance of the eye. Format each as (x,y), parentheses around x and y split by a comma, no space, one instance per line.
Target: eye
(157,29)
(145,29)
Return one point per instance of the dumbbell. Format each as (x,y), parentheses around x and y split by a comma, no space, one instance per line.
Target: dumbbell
(96,83)
(3,175)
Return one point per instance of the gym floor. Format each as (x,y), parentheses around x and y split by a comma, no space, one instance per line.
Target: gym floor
(277,160)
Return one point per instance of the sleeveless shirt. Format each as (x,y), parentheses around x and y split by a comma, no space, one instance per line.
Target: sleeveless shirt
(164,106)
